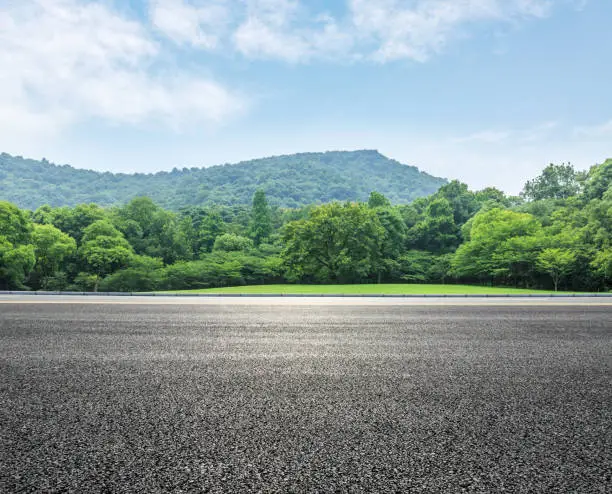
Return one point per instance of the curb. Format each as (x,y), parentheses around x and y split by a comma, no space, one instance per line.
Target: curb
(289,295)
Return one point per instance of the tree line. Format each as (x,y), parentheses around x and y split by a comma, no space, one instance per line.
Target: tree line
(556,235)
(289,181)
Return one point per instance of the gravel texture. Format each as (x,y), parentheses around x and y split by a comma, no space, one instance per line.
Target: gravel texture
(295,398)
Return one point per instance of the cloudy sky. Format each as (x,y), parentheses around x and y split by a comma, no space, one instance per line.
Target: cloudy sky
(487,91)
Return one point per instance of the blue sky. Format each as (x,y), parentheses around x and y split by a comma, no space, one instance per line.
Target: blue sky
(486,91)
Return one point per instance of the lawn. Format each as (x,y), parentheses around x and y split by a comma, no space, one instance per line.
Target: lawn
(385,289)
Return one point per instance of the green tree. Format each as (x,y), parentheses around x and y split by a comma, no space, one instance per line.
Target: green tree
(492,195)
(556,263)
(15,226)
(337,243)
(72,221)
(229,242)
(16,263)
(152,231)
(378,200)
(261,220)
(211,227)
(463,202)
(602,264)
(437,231)
(598,180)
(17,257)
(144,274)
(52,247)
(104,250)
(555,182)
(503,244)
(393,240)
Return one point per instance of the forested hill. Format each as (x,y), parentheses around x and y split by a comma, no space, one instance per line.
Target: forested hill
(290,181)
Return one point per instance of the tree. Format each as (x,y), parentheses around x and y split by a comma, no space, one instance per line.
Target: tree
(17,257)
(556,263)
(378,200)
(598,180)
(555,182)
(602,264)
(492,195)
(16,263)
(503,244)
(211,227)
(104,250)
(261,220)
(15,226)
(392,242)
(463,202)
(72,221)
(337,243)
(51,247)
(152,231)
(229,242)
(143,274)
(437,232)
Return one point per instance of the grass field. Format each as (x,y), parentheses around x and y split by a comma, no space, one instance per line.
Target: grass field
(386,289)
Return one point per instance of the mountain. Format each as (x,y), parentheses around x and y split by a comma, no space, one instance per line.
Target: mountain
(289,181)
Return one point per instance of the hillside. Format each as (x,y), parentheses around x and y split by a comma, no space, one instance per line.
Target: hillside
(292,180)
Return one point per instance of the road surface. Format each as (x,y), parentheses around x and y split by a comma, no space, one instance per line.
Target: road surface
(305,395)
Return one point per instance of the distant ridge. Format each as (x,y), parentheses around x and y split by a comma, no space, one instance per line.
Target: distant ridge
(289,181)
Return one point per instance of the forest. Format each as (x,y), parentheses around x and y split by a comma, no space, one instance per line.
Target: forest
(289,181)
(556,235)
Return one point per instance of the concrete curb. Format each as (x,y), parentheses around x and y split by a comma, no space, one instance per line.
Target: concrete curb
(339,295)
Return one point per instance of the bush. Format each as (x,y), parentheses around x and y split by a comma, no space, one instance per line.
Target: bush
(230,242)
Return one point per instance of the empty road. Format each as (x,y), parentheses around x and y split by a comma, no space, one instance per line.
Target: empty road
(305,395)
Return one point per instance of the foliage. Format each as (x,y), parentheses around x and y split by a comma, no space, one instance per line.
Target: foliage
(338,242)
(598,181)
(454,235)
(17,257)
(152,231)
(230,242)
(378,200)
(602,263)
(51,248)
(289,181)
(437,231)
(104,249)
(144,274)
(261,220)
(556,262)
(555,182)
(503,246)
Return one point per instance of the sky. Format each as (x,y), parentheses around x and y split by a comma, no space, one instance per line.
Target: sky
(485,91)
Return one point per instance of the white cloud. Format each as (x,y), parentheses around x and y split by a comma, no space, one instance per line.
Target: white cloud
(292,31)
(400,29)
(287,30)
(69,61)
(199,24)
(382,30)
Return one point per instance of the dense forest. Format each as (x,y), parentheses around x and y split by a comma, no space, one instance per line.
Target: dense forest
(556,235)
(289,181)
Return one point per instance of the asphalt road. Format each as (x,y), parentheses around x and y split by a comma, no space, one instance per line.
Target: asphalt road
(305,396)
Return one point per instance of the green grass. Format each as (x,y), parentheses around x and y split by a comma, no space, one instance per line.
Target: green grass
(397,289)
